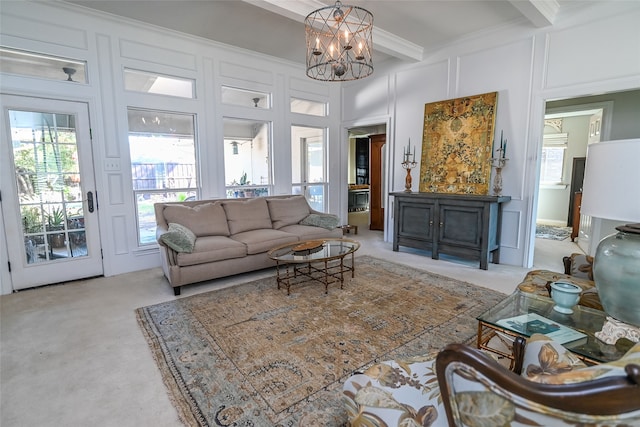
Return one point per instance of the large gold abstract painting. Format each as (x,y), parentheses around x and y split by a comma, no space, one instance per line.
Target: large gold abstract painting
(457,145)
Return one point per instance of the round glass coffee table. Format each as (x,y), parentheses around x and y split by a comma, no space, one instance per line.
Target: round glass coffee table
(320,260)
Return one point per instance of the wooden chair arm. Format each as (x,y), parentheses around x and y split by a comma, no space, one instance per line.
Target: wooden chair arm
(604,396)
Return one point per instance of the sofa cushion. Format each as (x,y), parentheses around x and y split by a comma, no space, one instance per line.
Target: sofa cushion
(179,238)
(327,221)
(287,211)
(262,240)
(212,248)
(245,216)
(207,219)
(308,232)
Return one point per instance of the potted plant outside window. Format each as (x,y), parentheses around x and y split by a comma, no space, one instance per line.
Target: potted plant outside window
(55,222)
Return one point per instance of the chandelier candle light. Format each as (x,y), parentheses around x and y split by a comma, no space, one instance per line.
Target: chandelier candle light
(339,43)
(498,163)
(409,163)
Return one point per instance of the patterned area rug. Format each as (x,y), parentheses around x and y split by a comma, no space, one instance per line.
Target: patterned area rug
(551,232)
(250,355)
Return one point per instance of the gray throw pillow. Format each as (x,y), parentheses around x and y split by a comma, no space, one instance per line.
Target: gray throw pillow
(179,238)
(327,221)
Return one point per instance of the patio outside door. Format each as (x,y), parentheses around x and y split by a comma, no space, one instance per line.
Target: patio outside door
(48,191)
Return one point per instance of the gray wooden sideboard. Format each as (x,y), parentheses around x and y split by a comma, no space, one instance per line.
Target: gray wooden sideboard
(466,226)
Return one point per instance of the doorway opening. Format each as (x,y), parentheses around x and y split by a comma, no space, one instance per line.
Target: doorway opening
(570,126)
(366,172)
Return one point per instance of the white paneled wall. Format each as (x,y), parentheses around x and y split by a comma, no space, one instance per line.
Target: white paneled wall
(594,51)
(110,45)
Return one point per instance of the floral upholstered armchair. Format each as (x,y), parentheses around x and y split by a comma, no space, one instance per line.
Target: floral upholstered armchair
(461,386)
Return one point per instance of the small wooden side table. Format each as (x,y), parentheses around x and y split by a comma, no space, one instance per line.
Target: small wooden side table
(346,229)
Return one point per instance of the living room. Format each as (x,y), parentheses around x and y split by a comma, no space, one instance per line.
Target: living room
(528,66)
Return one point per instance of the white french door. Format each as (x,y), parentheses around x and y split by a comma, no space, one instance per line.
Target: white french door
(47,181)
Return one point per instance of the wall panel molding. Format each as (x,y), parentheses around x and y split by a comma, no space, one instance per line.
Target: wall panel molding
(241,72)
(50,32)
(119,234)
(157,55)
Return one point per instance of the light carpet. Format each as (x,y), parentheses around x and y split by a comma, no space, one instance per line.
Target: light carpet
(250,355)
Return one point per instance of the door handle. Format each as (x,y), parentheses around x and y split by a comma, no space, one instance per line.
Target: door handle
(90,201)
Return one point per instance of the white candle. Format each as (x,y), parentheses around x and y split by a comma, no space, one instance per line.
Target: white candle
(317,43)
(346,36)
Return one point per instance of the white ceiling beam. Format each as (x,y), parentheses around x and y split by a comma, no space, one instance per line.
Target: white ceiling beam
(540,13)
(383,41)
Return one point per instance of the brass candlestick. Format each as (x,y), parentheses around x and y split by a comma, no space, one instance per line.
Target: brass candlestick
(498,163)
(408,165)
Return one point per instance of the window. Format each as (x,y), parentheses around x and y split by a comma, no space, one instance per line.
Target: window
(163,163)
(552,163)
(312,108)
(308,165)
(141,81)
(247,168)
(246,98)
(45,66)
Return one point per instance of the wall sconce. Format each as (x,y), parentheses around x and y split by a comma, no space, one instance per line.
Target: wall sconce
(234,147)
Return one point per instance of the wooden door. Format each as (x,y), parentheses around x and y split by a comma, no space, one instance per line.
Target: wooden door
(376,206)
(577,177)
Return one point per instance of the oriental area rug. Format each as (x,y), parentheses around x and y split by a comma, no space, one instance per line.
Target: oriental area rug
(250,355)
(551,232)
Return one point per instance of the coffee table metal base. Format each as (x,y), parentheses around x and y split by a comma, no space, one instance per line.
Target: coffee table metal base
(329,271)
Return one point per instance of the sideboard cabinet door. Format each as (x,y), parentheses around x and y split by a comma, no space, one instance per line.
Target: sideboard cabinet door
(414,224)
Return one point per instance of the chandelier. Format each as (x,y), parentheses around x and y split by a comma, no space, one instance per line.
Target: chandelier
(339,43)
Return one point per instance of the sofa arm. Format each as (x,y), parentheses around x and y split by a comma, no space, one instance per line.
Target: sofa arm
(169,255)
(160,230)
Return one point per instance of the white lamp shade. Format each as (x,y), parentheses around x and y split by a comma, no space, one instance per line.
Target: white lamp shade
(611,187)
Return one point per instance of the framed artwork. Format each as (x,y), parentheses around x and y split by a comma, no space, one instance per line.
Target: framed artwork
(457,145)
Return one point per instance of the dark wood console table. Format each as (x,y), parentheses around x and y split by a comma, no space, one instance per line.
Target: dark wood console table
(467,226)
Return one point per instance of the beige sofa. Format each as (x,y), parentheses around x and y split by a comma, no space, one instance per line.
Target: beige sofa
(207,239)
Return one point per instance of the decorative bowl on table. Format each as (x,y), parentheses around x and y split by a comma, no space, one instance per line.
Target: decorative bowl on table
(307,248)
(565,295)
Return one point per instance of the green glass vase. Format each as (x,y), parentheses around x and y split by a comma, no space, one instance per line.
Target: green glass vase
(616,271)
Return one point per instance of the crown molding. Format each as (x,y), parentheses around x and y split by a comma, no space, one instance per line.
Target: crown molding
(540,13)
(383,41)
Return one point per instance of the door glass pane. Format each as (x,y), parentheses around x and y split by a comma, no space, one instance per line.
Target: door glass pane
(247,168)
(163,163)
(45,156)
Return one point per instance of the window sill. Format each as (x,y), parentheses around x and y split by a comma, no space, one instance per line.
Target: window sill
(554,186)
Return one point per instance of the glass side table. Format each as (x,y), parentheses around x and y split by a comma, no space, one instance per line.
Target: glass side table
(583,319)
